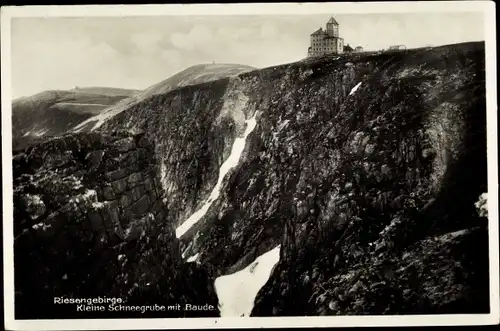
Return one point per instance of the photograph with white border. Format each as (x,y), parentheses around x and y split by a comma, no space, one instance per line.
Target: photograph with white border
(249,165)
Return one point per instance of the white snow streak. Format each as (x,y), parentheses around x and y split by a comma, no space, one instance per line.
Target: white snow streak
(237,292)
(107,113)
(38,133)
(193,258)
(231,162)
(355,88)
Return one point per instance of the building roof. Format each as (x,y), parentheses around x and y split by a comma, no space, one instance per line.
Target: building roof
(332,21)
(319,31)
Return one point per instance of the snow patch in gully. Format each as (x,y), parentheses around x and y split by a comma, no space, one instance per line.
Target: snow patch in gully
(237,291)
(355,88)
(103,117)
(193,258)
(231,162)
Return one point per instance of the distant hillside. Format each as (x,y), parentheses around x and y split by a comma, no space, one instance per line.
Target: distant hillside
(109,91)
(55,112)
(197,74)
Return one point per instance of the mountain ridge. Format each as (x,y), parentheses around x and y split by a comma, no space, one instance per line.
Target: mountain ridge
(63,111)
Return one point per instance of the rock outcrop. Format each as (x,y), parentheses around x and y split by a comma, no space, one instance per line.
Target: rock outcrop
(89,223)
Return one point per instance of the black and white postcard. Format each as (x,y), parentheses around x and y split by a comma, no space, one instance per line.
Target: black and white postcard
(249,165)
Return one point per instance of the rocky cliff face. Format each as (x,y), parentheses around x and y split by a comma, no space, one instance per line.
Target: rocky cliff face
(89,222)
(365,169)
(382,214)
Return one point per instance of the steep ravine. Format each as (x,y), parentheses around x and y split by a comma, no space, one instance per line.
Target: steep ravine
(362,171)
(342,150)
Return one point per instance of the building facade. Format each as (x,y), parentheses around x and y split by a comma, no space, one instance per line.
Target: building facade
(327,41)
(348,49)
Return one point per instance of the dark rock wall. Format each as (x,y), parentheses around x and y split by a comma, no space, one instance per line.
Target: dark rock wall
(89,222)
(383,219)
(412,136)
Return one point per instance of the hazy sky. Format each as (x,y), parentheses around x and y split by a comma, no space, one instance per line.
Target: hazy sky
(137,52)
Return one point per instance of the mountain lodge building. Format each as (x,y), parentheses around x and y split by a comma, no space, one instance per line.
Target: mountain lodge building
(326,41)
